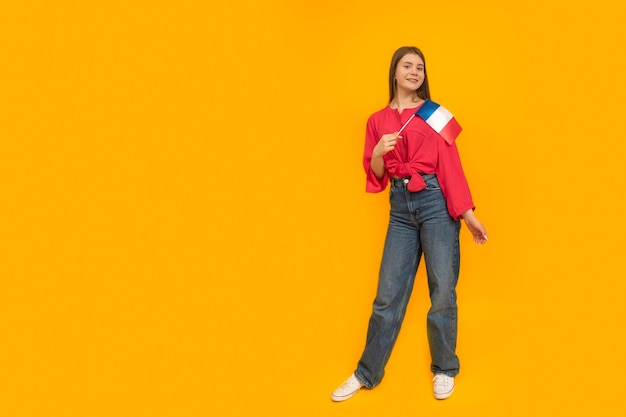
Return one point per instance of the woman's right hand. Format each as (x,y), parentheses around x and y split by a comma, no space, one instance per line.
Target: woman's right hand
(386,144)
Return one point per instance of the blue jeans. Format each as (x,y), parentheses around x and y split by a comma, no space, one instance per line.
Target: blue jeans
(419,223)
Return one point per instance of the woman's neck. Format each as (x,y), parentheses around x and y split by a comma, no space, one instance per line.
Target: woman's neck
(405,101)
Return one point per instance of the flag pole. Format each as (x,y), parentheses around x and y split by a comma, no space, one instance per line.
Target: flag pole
(407,122)
(401,129)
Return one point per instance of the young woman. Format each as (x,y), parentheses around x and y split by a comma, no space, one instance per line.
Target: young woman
(428,196)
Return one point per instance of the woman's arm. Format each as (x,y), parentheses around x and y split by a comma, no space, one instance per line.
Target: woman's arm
(475,227)
(386,144)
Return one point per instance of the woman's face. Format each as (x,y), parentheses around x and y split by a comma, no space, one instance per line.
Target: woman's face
(410,72)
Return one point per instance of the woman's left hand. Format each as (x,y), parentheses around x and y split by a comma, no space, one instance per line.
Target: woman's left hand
(478,231)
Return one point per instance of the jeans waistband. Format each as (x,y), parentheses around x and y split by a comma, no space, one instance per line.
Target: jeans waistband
(400,182)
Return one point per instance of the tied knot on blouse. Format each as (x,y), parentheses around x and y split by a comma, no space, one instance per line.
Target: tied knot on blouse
(406,169)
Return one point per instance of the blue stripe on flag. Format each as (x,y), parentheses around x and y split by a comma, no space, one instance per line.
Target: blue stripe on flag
(427,109)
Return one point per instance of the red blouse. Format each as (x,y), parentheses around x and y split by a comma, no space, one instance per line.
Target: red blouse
(421,150)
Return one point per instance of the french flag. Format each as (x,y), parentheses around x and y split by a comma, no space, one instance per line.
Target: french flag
(440,119)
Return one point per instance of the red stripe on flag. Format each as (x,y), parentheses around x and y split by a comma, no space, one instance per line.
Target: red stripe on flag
(450,131)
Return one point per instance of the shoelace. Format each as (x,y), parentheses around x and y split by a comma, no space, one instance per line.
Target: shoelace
(348,382)
(442,381)
(345,384)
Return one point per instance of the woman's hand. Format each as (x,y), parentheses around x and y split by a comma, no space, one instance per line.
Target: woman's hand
(386,144)
(475,227)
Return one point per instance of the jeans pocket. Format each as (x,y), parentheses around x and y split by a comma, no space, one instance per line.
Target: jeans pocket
(394,193)
(431,182)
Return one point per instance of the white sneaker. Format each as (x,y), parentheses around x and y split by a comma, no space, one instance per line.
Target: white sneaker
(443,386)
(350,387)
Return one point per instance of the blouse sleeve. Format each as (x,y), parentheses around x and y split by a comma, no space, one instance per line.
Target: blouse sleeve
(452,179)
(373,184)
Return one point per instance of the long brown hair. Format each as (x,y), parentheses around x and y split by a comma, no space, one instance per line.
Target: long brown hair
(424,91)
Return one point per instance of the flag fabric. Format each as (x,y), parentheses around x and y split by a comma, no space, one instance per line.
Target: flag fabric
(440,119)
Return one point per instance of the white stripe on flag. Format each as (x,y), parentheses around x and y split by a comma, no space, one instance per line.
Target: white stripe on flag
(439,119)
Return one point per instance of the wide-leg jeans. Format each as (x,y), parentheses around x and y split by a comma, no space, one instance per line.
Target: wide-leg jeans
(419,223)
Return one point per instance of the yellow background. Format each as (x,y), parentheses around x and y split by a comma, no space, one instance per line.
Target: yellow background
(185,228)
